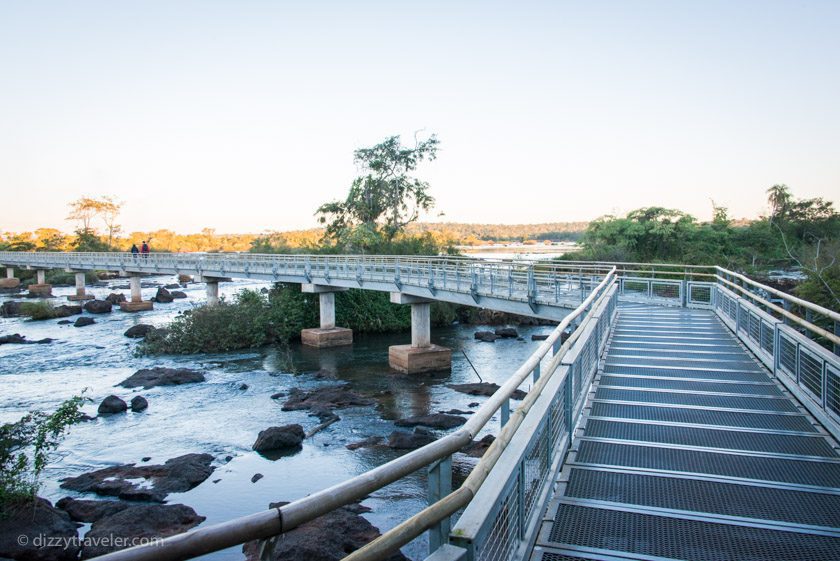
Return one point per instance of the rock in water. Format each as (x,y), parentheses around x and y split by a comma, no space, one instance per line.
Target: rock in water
(331,397)
(138,331)
(18,339)
(21,523)
(507,332)
(145,483)
(115,298)
(112,405)
(11,309)
(176,294)
(162,296)
(135,522)
(67,310)
(83,321)
(151,377)
(477,448)
(436,421)
(368,442)
(83,510)
(483,388)
(279,438)
(327,538)
(486,336)
(172,285)
(98,307)
(139,403)
(402,440)
(539,336)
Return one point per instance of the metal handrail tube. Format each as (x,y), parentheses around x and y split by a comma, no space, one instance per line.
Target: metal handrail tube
(791,316)
(414,526)
(277,521)
(793,299)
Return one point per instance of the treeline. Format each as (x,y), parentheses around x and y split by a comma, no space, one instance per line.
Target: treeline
(798,233)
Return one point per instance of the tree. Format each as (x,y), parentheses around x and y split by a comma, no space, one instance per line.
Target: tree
(110,211)
(779,197)
(386,198)
(86,209)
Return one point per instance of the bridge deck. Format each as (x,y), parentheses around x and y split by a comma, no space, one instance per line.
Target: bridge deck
(690,450)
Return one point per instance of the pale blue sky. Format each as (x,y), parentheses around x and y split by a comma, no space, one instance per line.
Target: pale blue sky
(243,115)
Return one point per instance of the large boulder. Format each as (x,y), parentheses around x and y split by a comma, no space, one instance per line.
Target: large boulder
(84,510)
(151,377)
(327,538)
(486,336)
(115,298)
(23,525)
(402,440)
(324,399)
(145,483)
(84,321)
(98,307)
(11,309)
(137,522)
(287,437)
(162,296)
(506,332)
(436,421)
(112,405)
(176,294)
(139,403)
(483,388)
(67,310)
(138,331)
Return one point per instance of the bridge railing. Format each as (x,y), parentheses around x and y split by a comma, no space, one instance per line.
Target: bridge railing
(788,345)
(437,457)
(533,282)
(502,520)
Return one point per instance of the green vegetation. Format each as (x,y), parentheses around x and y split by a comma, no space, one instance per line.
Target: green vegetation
(253,319)
(26,445)
(799,232)
(383,201)
(38,310)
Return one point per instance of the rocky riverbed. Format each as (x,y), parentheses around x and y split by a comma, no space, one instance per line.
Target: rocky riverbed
(216,414)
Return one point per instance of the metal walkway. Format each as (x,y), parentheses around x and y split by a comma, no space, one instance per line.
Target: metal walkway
(690,450)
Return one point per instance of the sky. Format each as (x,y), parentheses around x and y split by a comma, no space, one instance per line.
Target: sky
(243,115)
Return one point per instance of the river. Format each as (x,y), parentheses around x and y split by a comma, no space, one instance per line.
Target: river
(219,418)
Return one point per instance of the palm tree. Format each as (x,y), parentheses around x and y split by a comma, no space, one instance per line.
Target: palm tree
(779,197)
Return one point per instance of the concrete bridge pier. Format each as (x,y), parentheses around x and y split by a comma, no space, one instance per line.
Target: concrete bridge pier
(10,281)
(136,304)
(41,288)
(328,335)
(211,287)
(80,289)
(421,355)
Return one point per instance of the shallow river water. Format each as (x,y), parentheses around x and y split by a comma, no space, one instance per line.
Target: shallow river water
(219,418)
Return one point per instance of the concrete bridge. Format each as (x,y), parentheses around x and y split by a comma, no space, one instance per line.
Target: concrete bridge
(547,291)
(692,414)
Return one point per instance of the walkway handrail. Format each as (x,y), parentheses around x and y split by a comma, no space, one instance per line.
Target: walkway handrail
(414,526)
(276,521)
(788,300)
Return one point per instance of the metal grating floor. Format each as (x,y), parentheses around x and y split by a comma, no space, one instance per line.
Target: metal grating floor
(691,451)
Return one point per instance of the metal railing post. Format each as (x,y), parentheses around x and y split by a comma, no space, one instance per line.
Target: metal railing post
(440,485)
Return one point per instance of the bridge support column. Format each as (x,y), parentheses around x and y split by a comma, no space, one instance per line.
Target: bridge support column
(80,290)
(327,335)
(211,288)
(136,304)
(10,281)
(421,355)
(40,288)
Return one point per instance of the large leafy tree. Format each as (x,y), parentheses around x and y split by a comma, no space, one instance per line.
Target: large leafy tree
(385,198)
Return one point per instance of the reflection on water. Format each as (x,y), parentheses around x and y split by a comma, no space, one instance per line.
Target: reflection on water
(219,418)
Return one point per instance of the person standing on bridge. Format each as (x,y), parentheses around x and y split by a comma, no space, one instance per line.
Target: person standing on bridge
(134,250)
(144,249)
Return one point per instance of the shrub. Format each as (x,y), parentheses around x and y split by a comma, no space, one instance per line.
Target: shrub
(26,445)
(38,310)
